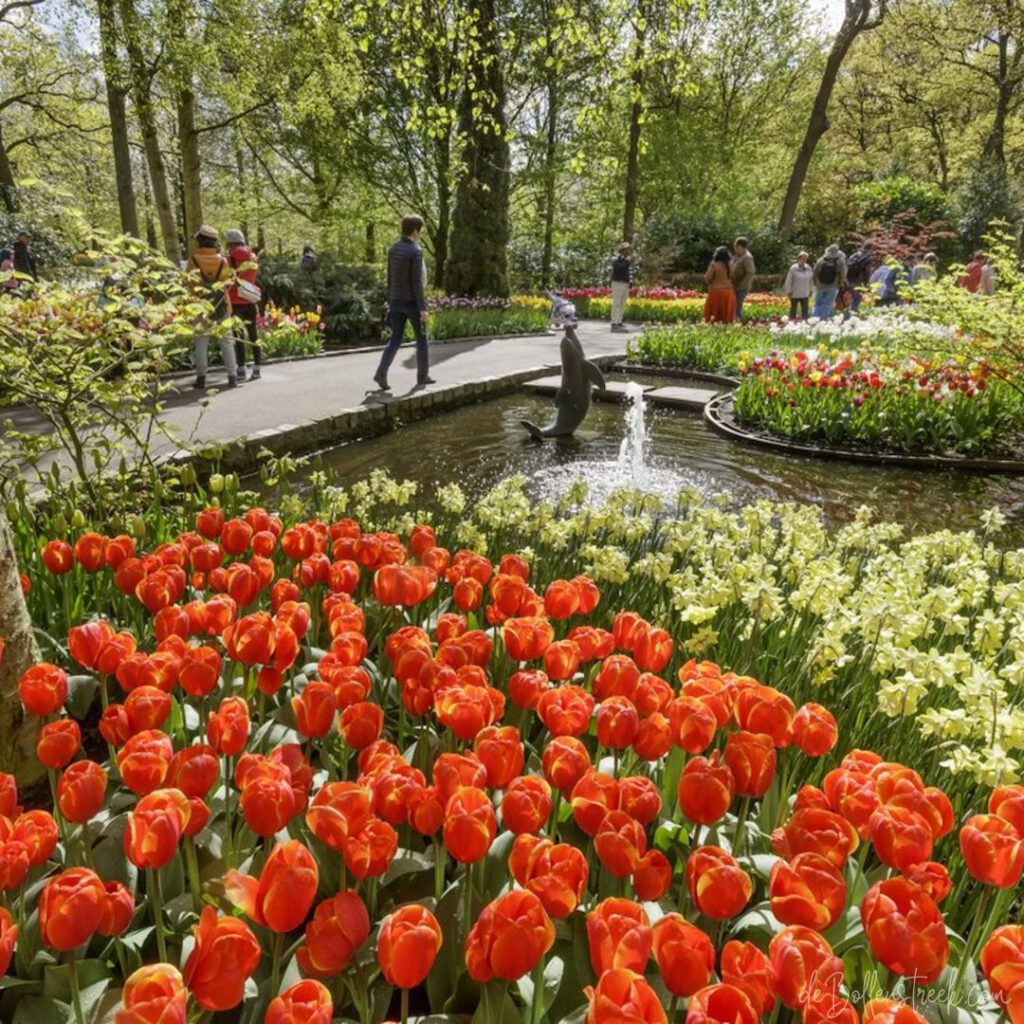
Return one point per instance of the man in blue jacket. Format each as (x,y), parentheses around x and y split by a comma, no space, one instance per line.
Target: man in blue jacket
(407,300)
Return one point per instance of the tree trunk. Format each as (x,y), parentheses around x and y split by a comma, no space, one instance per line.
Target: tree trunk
(439,239)
(8,186)
(19,731)
(636,112)
(995,144)
(118,119)
(370,250)
(147,125)
(191,169)
(857,20)
(550,180)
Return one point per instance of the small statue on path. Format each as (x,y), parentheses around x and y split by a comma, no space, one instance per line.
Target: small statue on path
(572,399)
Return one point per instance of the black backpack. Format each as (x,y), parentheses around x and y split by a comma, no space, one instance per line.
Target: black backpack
(829,270)
(217,297)
(858,270)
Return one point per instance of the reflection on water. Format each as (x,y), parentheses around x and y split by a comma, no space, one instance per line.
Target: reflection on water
(663,453)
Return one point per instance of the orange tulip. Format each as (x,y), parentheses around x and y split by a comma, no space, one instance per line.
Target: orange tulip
(592,798)
(467,594)
(81,790)
(905,929)
(85,642)
(890,1011)
(1002,960)
(993,850)
(193,770)
(901,838)
(43,689)
(155,828)
(509,937)
(751,756)
(369,851)
(620,842)
(639,798)
(58,557)
(305,1002)
(71,908)
(200,671)
(502,753)
(815,830)
(403,585)
(720,1004)
(526,805)
(684,954)
(932,877)
(565,761)
(825,1006)
(452,772)
(117,911)
(470,825)
(692,723)
(314,709)
(561,600)
(562,660)
(58,743)
(652,877)
(360,724)
(407,945)
(746,967)
(618,676)
(718,886)
(147,707)
(527,638)
(466,708)
(8,793)
(250,640)
(566,710)
(763,709)
(617,723)
(802,961)
(225,954)
(619,935)
(526,686)
(37,832)
(814,730)
(706,789)
(652,648)
(555,873)
(281,897)
(623,997)
(594,644)
(809,891)
(338,928)
(653,737)
(1008,803)
(227,729)
(154,994)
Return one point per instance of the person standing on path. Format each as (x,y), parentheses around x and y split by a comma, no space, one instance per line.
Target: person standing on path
(720,305)
(211,276)
(742,273)
(798,285)
(971,278)
(622,278)
(829,277)
(407,301)
(244,295)
(858,273)
(24,258)
(987,280)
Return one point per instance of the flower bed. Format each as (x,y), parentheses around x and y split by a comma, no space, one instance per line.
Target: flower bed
(365,762)
(668,305)
(902,404)
(293,332)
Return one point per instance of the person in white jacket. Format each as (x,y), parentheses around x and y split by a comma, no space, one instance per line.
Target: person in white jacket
(799,285)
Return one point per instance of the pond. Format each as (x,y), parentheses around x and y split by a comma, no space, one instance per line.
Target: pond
(662,452)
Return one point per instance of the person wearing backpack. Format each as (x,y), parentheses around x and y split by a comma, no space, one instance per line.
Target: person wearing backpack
(244,295)
(211,276)
(829,276)
(858,273)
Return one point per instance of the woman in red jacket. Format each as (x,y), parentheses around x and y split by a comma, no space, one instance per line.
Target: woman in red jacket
(245,296)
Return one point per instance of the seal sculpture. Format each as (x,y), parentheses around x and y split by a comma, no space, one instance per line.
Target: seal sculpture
(572,399)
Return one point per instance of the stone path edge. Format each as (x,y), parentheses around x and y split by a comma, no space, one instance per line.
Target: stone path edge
(719,416)
(242,455)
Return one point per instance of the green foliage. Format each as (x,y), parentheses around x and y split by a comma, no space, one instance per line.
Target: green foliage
(983,197)
(350,298)
(886,198)
(717,348)
(51,250)
(455,323)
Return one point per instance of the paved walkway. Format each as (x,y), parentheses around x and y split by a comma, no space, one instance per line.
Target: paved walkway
(313,389)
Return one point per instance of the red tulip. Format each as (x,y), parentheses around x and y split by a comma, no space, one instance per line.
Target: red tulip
(43,689)
(751,757)
(407,945)
(808,891)
(154,994)
(720,1004)
(470,825)
(555,873)
(339,927)
(225,954)
(619,935)
(814,730)
(71,908)
(623,997)
(58,743)
(509,937)
(685,955)
(81,790)
(718,886)
(281,897)
(706,789)
(993,850)
(905,929)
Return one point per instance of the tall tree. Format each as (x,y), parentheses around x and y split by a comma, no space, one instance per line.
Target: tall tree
(141,86)
(113,75)
(860,16)
(477,263)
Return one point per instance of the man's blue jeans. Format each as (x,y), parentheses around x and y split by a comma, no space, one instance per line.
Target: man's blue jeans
(398,315)
(855,297)
(824,303)
(741,294)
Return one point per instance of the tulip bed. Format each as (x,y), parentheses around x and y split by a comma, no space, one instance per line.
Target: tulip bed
(476,765)
(669,306)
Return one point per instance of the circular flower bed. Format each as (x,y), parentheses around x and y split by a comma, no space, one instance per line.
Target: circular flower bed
(344,771)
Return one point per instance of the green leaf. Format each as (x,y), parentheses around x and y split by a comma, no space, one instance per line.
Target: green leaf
(554,970)
(41,1010)
(496,1007)
(81,693)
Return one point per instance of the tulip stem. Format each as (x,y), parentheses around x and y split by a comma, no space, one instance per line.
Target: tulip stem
(57,815)
(741,824)
(537,1010)
(556,807)
(439,864)
(192,864)
(228,844)
(275,970)
(405,1006)
(76,995)
(468,882)
(673,1009)
(158,913)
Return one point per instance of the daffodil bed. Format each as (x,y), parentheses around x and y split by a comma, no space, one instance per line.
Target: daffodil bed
(886,383)
(368,757)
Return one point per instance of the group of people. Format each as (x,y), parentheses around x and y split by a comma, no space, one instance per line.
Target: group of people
(17,262)
(729,277)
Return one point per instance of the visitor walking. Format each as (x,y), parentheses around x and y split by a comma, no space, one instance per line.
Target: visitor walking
(858,273)
(742,273)
(622,278)
(987,284)
(971,278)
(211,277)
(926,269)
(884,284)
(245,296)
(24,258)
(829,277)
(407,301)
(7,278)
(720,305)
(798,286)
